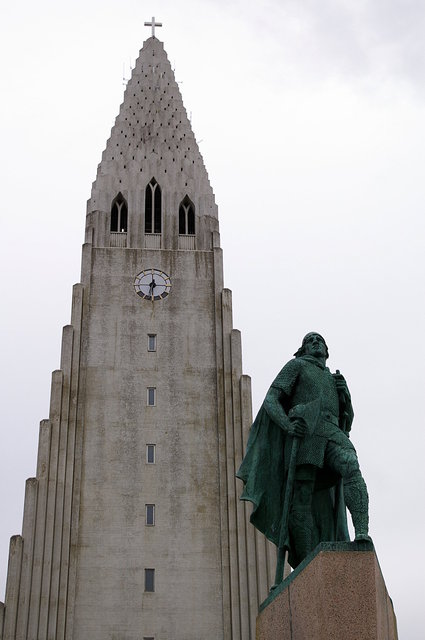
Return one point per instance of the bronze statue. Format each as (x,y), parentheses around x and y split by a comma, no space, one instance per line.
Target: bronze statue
(300,469)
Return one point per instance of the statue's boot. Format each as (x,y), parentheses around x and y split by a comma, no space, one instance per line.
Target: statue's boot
(357,501)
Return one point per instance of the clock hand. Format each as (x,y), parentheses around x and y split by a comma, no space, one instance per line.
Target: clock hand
(152,286)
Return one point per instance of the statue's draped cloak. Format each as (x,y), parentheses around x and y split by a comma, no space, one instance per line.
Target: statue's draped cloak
(264,467)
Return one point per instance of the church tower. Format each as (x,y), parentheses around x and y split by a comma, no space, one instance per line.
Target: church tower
(132,528)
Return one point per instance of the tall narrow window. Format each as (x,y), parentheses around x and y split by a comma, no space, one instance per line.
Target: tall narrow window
(150,515)
(119,215)
(153,207)
(186,217)
(151,396)
(151,341)
(150,580)
(150,453)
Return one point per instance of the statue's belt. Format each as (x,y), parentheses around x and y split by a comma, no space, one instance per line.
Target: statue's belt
(327,416)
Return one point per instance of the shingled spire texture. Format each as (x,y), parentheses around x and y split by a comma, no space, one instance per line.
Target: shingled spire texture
(152,135)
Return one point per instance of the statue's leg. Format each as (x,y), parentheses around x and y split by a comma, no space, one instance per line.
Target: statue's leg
(301,524)
(344,461)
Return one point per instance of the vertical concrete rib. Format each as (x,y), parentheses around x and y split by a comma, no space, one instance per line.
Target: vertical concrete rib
(74,478)
(66,358)
(261,554)
(40,523)
(246,421)
(236,354)
(271,563)
(28,533)
(230,463)
(86,261)
(1,619)
(55,413)
(70,459)
(12,587)
(221,439)
(259,541)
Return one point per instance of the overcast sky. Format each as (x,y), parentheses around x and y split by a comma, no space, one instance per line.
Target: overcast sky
(310,117)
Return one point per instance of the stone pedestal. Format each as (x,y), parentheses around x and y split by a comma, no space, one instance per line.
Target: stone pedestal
(337,593)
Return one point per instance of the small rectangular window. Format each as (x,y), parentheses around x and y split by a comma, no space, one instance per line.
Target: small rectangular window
(151,341)
(148,638)
(150,453)
(150,580)
(150,515)
(151,396)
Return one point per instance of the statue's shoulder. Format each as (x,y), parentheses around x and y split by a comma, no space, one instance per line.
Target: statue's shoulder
(292,366)
(288,374)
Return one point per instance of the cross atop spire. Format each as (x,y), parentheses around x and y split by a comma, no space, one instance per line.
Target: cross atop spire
(153,24)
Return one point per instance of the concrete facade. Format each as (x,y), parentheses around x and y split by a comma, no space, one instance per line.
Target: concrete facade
(78,570)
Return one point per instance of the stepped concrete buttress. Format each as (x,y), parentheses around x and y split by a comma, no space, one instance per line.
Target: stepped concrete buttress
(338,592)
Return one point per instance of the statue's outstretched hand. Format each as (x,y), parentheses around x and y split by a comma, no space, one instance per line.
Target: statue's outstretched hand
(297,427)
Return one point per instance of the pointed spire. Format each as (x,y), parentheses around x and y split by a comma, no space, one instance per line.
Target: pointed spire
(152,136)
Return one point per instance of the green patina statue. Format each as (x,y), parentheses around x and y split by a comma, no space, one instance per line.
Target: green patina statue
(300,469)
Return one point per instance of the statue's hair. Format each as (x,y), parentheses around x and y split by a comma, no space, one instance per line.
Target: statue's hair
(301,350)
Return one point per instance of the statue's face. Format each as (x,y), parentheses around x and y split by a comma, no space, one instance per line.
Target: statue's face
(314,346)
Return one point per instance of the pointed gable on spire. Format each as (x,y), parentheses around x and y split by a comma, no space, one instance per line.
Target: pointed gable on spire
(152,136)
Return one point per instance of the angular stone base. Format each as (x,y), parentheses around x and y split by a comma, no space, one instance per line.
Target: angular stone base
(337,593)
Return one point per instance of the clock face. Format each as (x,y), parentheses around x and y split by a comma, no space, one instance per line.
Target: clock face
(152,284)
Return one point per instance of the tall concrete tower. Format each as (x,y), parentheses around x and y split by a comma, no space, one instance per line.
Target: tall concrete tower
(132,528)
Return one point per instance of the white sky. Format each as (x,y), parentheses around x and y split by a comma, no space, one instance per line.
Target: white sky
(310,117)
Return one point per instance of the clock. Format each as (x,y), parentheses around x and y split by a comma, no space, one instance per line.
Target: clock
(152,284)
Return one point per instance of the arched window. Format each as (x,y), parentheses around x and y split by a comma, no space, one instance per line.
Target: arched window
(186,217)
(119,214)
(153,207)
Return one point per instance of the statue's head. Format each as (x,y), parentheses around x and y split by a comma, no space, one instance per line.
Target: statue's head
(309,343)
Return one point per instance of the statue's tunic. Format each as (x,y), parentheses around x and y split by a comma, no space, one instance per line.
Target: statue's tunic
(304,380)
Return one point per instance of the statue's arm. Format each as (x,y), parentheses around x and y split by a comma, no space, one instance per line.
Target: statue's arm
(273,407)
(346,412)
(283,386)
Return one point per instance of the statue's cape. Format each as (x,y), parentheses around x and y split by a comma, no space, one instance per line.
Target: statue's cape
(264,475)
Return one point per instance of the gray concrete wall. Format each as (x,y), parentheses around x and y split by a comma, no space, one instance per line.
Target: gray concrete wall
(115,546)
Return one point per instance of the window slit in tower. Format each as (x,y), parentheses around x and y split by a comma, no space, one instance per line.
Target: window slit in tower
(150,453)
(186,217)
(119,215)
(153,207)
(151,341)
(150,580)
(150,515)
(151,396)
